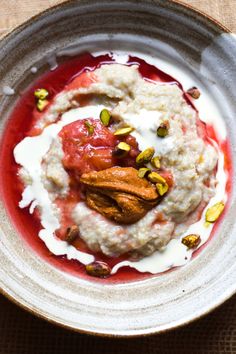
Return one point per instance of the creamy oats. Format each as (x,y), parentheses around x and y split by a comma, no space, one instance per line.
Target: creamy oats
(188,164)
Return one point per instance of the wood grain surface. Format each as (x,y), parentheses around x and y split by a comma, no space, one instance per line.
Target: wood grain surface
(22,333)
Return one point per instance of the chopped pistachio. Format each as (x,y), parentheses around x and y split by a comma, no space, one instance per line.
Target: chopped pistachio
(124,146)
(162,188)
(98,269)
(72,233)
(155,161)
(191,241)
(121,150)
(145,156)
(123,131)
(105,117)
(194,92)
(163,129)
(142,172)
(41,94)
(41,105)
(154,177)
(214,212)
(89,127)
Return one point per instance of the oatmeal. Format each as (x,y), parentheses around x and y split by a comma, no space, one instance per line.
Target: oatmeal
(127,159)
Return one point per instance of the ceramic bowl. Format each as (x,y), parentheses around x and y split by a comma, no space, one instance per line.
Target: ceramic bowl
(184,37)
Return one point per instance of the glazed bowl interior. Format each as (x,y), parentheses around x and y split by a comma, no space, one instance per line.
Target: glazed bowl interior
(205,51)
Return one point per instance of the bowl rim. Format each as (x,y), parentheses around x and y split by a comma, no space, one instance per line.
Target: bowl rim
(36,312)
(66,2)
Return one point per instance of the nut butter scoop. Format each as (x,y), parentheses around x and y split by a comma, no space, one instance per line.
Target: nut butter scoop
(119,194)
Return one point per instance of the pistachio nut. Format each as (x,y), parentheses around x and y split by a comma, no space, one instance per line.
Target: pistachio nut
(155,161)
(98,269)
(41,94)
(142,172)
(154,177)
(162,188)
(41,104)
(121,150)
(105,117)
(89,127)
(194,92)
(145,156)
(72,233)
(163,129)
(191,241)
(214,212)
(123,131)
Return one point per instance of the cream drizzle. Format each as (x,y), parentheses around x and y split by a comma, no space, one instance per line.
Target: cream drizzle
(145,134)
(29,153)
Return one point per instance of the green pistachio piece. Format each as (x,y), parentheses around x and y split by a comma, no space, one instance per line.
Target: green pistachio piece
(154,177)
(105,117)
(163,129)
(155,161)
(41,94)
(41,104)
(123,131)
(214,212)
(162,188)
(143,171)
(89,127)
(121,150)
(145,156)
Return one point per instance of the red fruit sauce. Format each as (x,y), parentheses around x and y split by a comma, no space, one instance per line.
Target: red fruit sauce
(73,73)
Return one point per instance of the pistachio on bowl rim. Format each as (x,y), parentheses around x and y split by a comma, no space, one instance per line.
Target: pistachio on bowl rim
(98,269)
(42,104)
(41,94)
(191,240)
(214,212)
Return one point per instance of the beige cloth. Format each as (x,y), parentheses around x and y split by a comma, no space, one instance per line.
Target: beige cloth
(223,11)
(14,12)
(22,333)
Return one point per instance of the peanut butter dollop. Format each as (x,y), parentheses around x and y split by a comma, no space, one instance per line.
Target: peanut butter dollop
(119,194)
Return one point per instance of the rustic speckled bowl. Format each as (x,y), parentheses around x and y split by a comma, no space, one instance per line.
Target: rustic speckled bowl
(184,37)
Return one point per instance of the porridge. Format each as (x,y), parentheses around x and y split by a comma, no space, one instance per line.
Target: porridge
(119,165)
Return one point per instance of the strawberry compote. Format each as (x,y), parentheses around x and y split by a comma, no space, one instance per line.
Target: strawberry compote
(85,151)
